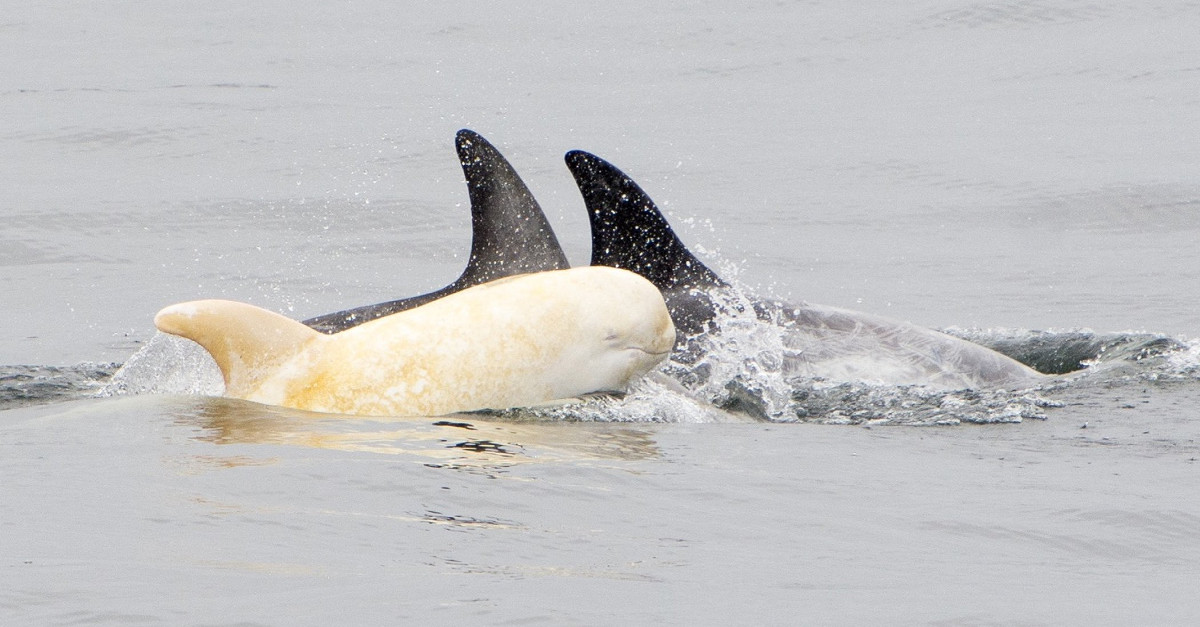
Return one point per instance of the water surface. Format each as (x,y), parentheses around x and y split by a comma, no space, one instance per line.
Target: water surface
(996,168)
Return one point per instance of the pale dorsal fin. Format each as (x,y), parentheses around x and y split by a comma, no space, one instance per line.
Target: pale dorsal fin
(509,234)
(247,342)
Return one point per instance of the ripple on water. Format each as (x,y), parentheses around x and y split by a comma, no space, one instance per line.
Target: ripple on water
(34,385)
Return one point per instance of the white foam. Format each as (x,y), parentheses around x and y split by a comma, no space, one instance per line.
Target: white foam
(167,365)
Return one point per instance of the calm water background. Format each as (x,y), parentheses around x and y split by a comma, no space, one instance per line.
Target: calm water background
(982,165)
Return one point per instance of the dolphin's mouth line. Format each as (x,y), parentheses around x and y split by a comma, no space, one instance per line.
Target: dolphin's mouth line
(639,349)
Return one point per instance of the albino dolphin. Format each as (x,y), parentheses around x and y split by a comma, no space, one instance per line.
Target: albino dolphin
(628,231)
(514,342)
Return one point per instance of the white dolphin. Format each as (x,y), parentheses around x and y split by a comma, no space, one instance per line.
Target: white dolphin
(518,341)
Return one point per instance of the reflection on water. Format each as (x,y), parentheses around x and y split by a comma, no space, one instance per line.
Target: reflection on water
(456,441)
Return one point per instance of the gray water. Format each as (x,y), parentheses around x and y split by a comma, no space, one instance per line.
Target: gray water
(994,168)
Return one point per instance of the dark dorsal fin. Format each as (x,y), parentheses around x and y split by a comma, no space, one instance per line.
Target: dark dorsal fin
(509,234)
(629,232)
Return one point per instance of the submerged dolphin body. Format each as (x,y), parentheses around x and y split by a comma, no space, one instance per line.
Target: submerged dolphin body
(514,342)
(628,231)
(509,234)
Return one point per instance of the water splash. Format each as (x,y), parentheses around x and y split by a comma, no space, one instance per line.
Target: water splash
(758,367)
(167,365)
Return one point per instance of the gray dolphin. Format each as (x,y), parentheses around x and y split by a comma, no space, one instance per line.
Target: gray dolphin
(509,234)
(628,231)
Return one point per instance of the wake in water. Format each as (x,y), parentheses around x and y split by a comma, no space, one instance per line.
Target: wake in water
(35,385)
(750,368)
